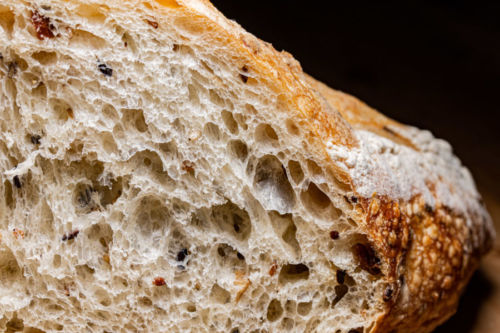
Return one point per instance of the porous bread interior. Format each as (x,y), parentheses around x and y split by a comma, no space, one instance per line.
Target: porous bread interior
(177,149)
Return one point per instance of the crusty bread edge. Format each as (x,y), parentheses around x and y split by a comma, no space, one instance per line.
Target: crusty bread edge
(332,117)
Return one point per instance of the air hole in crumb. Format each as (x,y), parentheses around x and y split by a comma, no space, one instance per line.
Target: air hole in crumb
(229,121)
(110,193)
(340,291)
(367,258)
(14,325)
(84,39)
(134,118)
(356,330)
(169,149)
(264,133)
(151,216)
(349,280)
(292,127)
(7,19)
(150,162)
(85,272)
(285,227)
(315,198)
(129,42)
(318,203)
(271,181)
(56,261)
(295,171)
(287,324)
(238,149)
(314,168)
(293,273)
(303,308)
(215,97)
(9,199)
(230,257)
(102,297)
(233,220)
(212,131)
(101,233)
(145,301)
(62,110)
(219,294)
(274,310)
(241,120)
(110,112)
(10,272)
(91,13)
(45,58)
(290,306)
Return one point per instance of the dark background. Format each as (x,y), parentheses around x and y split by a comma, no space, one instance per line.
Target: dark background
(433,65)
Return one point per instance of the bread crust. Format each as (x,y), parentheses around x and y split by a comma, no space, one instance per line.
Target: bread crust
(428,251)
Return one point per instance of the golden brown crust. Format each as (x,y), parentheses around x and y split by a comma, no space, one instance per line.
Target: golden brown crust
(427,253)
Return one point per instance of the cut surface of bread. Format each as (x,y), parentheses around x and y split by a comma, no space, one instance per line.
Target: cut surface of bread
(165,171)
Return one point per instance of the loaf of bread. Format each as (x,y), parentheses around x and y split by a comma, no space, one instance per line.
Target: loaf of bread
(165,171)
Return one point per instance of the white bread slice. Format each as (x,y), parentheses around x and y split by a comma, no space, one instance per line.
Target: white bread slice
(165,171)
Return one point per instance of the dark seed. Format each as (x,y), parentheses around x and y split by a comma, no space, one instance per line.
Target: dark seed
(71,235)
(354,199)
(181,267)
(388,294)
(236,227)
(340,276)
(43,27)
(35,139)
(105,69)
(159,281)
(17,181)
(334,234)
(240,256)
(182,254)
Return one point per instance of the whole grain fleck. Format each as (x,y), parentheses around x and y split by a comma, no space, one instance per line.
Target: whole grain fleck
(43,27)
(17,181)
(107,71)
(159,281)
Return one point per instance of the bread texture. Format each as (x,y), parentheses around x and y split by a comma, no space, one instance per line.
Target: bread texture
(165,171)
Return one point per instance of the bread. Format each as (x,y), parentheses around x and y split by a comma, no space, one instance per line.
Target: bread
(165,171)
